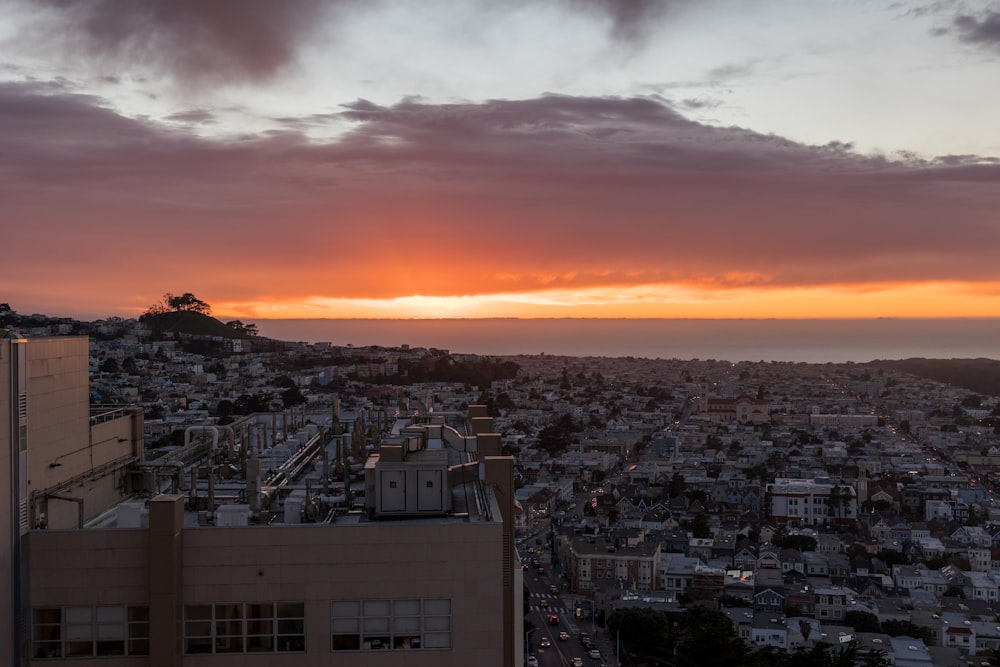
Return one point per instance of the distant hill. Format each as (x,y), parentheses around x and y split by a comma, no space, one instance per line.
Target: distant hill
(190,322)
(979,375)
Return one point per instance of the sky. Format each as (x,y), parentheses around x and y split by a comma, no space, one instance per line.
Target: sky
(512,158)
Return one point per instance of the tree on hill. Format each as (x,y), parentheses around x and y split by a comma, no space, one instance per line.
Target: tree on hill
(248,329)
(176,304)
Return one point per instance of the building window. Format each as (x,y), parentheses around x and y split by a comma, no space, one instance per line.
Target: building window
(86,632)
(373,625)
(256,627)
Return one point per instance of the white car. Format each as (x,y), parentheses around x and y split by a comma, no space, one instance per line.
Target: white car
(577,662)
(532,661)
(595,654)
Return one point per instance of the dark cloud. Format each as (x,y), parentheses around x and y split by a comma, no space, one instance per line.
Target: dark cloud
(631,20)
(193,116)
(698,104)
(981,31)
(732,71)
(198,43)
(565,191)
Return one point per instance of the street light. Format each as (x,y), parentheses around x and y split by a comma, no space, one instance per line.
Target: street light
(527,636)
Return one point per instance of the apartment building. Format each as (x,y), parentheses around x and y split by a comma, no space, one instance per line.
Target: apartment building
(812,502)
(594,561)
(223,552)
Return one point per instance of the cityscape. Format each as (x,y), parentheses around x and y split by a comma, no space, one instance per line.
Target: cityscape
(222,494)
(561,333)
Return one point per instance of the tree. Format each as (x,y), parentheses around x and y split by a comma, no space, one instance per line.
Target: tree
(128,365)
(292,396)
(556,437)
(954,592)
(875,658)
(707,638)
(172,303)
(283,381)
(800,542)
(896,628)
(248,329)
(224,407)
(698,525)
(645,631)
(676,485)
(186,301)
(862,621)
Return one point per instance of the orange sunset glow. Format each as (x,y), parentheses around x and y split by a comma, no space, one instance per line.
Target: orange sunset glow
(654,301)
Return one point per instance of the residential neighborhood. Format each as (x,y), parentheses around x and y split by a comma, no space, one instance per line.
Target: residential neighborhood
(811,504)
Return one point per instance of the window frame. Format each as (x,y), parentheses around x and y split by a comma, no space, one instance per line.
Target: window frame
(89,631)
(243,628)
(390,624)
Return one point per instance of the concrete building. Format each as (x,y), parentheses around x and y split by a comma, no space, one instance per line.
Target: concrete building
(225,552)
(63,463)
(812,502)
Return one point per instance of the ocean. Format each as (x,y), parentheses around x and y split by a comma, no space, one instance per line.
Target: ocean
(810,341)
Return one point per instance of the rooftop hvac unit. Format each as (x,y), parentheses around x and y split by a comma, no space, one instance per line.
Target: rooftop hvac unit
(232,515)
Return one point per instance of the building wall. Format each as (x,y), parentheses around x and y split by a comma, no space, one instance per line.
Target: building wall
(8,505)
(312,564)
(54,383)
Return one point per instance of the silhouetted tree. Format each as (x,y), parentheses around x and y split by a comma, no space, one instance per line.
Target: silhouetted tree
(249,329)
(174,303)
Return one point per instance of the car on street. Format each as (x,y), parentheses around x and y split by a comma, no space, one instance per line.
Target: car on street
(543,604)
(595,654)
(564,636)
(553,619)
(532,661)
(577,662)
(545,642)
(554,589)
